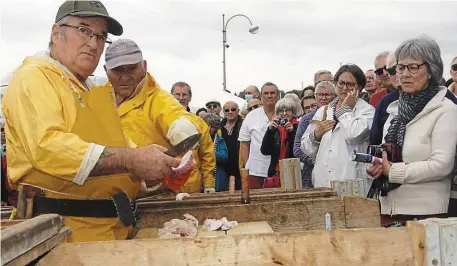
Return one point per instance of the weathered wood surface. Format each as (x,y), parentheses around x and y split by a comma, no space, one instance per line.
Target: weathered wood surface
(20,238)
(236,198)
(8,223)
(41,249)
(284,215)
(372,246)
(290,215)
(361,212)
(237,193)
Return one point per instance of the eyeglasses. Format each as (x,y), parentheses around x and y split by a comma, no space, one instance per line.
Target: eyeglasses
(392,70)
(212,106)
(454,67)
(380,71)
(412,68)
(88,33)
(255,106)
(283,111)
(308,107)
(324,95)
(231,109)
(350,85)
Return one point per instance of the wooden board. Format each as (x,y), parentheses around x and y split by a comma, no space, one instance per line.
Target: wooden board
(361,212)
(41,249)
(242,228)
(224,198)
(20,238)
(373,246)
(290,215)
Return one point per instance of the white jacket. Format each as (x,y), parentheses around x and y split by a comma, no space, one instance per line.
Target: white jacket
(333,152)
(428,160)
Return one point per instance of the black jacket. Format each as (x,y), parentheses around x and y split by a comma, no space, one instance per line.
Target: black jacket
(233,146)
(271,145)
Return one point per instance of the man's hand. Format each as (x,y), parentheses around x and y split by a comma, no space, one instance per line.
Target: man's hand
(150,163)
(322,128)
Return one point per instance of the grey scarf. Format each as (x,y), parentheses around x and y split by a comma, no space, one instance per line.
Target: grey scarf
(408,107)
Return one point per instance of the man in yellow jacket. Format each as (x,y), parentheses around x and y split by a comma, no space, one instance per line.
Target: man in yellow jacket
(150,115)
(64,138)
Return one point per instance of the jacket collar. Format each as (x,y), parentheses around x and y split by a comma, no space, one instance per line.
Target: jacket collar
(434,103)
(149,87)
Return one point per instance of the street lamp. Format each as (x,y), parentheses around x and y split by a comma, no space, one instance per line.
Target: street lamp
(253,30)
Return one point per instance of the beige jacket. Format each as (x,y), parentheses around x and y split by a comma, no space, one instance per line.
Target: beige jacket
(428,154)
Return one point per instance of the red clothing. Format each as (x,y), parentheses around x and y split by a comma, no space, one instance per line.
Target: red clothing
(377,96)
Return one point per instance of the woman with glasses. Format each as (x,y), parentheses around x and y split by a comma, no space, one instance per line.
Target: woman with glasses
(308,103)
(453,71)
(278,141)
(421,126)
(339,128)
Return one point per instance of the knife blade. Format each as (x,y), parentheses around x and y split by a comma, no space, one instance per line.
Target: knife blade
(184,145)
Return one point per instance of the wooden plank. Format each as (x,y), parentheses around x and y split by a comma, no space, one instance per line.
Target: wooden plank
(235,198)
(373,246)
(417,232)
(20,238)
(41,249)
(361,212)
(441,241)
(8,223)
(290,215)
(250,228)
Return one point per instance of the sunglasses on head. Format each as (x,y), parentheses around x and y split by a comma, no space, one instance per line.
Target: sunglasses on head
(212,106)
(380,71)
(255,106)
(454,67)
(233,109)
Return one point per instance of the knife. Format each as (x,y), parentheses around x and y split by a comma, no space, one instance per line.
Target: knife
(184,145)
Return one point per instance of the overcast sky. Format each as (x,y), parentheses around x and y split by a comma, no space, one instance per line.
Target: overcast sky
(182,40)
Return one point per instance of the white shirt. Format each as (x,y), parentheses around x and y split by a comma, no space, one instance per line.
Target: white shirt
(253,129)
(336,146)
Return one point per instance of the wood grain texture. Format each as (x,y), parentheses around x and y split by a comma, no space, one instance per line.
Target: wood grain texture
(373,246)
(361,212)
(20,238)
(41,249)
(287,215)
(417,232)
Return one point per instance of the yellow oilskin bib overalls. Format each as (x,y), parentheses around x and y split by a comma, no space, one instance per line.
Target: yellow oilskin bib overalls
(97,122)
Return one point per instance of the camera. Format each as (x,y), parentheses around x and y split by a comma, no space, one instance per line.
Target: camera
(281,121)
(382,183)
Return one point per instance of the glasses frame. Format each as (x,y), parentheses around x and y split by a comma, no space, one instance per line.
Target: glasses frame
(233,109)
(90,34)
(392,70)
(255,106)
(380,71)
(409,68)
(353,85)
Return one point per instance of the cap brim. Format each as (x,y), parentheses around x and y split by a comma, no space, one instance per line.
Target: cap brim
(122,61)
(114,27)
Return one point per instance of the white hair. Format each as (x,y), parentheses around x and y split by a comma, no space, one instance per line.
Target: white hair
(62,21)
(289,104)
(326,84)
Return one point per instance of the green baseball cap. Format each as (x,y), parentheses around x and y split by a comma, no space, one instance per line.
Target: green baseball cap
(89,9)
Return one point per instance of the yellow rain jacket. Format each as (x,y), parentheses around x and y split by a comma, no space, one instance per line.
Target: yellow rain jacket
(146,119)
(52,120)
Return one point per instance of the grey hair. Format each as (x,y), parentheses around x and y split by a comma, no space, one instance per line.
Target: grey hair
(326,84)
(62,21)
(453,59)
(181,84)
(237,106)
(390,58)
(381,55)
(426,49)
(212,119)
(322,72)
(289,104)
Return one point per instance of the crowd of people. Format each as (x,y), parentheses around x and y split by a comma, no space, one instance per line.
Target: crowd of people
(70,142)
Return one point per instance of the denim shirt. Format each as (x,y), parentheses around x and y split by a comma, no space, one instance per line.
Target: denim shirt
(308,162)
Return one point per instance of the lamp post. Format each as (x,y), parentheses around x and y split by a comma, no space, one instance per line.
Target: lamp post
(252,30)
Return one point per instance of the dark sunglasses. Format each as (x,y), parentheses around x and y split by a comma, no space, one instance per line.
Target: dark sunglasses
(307,107)
(255,106)
(454,67)
(231,109)
(380,71)
(212,106)
(392,70)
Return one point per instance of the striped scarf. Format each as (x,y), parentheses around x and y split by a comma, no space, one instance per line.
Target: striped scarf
(408,107)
